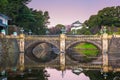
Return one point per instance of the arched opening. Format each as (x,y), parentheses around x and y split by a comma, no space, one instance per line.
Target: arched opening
(83,52)
(41,52)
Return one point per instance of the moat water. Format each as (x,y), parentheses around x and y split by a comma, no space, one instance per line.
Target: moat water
(56,74)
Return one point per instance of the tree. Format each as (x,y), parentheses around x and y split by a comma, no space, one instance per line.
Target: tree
(3,4)
(38,26)
(84,31)
(46,17)
(25,17)
(110,16)
(106,17)
(57,29)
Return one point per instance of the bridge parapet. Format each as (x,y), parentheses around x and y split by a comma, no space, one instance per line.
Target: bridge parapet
(10,37)
(110,36)
(42,37)
(56,37)
(118,36)
(84,37)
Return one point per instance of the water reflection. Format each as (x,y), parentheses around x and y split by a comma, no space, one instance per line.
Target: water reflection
(55,74)
(85,75)
(43,55)
(68,75)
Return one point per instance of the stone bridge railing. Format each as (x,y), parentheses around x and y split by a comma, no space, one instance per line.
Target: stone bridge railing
(42,37)
(83,37)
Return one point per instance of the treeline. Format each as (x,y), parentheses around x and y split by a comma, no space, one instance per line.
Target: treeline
(109,16)
(23,16)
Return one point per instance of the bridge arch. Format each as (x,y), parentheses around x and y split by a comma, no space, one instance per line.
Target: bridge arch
(79,56)
(39,42)
(29,51)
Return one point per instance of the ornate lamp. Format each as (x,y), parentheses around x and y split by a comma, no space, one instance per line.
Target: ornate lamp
(104,29)
(63,30)
(47,32)
(101,31)
(22,30)
(30,32)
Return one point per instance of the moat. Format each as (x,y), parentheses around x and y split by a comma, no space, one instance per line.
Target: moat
(33,57)
(53,74)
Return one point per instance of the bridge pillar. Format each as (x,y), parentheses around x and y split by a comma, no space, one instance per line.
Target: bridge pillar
(105,51)
(21,57)
(62,51)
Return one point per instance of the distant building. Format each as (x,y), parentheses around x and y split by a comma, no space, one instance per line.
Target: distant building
(76,25)
(4,22)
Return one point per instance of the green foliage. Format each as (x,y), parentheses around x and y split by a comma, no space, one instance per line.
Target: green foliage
(118,32)
(84,31)
(22,16)
(60,26)
(90,52)
(87,49)
(108,16)
(57,29)
(85,45)
(3,4)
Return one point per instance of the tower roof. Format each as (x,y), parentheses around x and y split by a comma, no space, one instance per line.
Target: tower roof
(77,22)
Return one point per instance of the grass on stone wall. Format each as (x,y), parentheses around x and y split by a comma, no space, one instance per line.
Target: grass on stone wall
(87,49)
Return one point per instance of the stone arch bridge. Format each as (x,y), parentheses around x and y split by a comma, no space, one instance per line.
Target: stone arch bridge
(63,42)
(70,40)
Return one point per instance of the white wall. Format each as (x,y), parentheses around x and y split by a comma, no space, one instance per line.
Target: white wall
(76,28)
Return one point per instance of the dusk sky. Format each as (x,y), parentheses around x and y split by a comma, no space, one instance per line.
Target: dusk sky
(68,11)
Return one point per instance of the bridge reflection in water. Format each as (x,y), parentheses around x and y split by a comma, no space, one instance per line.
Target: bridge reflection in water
(107,60)
(85,75)
(34,55)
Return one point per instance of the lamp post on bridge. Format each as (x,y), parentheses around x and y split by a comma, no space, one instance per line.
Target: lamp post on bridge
(103,30)
(47,32)
(62,49)
(104,38)
(15,33)
(22,30)
(63,30)
(30,32)
(3,32)
(21,44)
